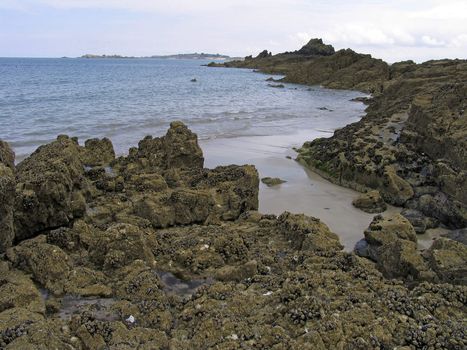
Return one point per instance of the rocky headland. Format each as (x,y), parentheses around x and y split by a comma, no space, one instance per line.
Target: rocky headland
(411,144)
(153,251)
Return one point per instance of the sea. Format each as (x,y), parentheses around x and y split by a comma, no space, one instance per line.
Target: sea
(127,99)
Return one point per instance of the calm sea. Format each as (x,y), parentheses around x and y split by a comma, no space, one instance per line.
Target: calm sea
(126,99)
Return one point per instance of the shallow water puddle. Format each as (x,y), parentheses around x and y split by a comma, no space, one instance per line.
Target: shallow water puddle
(178,286)
(101,308)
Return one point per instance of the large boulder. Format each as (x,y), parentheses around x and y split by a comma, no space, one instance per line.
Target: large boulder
(48,191)
(370,202)
(308,233)
(448,259)
(392,243)
(177,149)
(419,222)
(48,264)
(97,152)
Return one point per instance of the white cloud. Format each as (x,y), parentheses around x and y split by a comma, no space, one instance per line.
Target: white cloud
(426,39)
(408,29)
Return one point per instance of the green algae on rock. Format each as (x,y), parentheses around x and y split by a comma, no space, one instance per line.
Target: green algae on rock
(410,146)
(168,255)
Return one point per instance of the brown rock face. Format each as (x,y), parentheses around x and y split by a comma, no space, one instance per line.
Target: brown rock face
(48,191)
(370,202)
(177,149)
(97,152)
(449,259)
(392,243)
(7,196)
(7,156)
(316,47)
(308,233)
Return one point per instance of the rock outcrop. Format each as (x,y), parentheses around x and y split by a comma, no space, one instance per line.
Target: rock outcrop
(410,146)
(392,243)
(49,188)
(168,255)
(7,196)
(316,47)
(370,202)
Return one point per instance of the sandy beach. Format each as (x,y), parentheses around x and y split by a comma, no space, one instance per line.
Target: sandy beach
(305,191)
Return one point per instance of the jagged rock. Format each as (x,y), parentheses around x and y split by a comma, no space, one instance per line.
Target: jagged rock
(119,246)
(419,222)
(97,152)
(395,190)
(383,230)
(272,181)
(48,264)
(316,47)
(7,201)
(441,207)
(391,242)
(448,259)
(457,235)
(7,156)
(17,290)
(177,149)
(264,54)
(308,233)
(48,191)
(370,202)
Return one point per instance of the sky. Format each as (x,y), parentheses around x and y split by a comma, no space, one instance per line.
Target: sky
(392,30)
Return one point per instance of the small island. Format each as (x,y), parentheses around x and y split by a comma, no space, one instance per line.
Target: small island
(185,56)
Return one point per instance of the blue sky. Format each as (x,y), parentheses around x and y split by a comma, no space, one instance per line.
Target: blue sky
(392,30)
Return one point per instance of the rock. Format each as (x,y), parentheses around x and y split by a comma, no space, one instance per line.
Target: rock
(383,230)
(448,259)
(395,190)
(120,245)
(316,47)
(7,156)
(308,233)
(7,201)
(48,264)
(97,152)
(442,208)
(281,86)
(177,149)
(370,202)
(264,54)
(17,290)
(400,258)
(457,235)
(419,222)
(237,273)
(391,242)
(272,181)
(48,190)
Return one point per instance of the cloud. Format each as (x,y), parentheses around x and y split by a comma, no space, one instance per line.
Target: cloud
(397,29)
(430,41)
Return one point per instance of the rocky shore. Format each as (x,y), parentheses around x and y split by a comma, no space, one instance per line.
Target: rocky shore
(411,144)
(153,251)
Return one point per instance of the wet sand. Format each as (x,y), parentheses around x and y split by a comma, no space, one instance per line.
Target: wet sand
(304,192)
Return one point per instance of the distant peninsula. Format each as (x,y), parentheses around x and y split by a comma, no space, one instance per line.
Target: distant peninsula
(190,56)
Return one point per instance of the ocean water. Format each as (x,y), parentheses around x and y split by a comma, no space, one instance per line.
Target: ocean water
(127,99)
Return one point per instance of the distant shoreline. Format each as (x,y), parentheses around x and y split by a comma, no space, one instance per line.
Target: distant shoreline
(192,56)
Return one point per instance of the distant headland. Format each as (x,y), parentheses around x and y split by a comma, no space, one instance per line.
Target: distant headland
(190,56)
